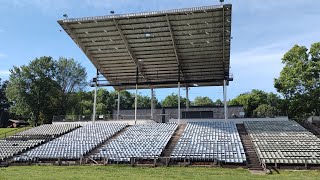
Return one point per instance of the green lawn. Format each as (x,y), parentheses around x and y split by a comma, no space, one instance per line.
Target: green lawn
(125,172)
(11,131)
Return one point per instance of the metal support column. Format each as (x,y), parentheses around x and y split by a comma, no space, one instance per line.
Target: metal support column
(187,96)
(136,98)
(225,100)
(95,98)
(179,110)
(118,108)
(152,103)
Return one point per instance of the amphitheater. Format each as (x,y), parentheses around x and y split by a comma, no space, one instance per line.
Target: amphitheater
(166,49)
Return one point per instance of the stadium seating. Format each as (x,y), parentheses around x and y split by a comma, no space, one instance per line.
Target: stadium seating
(75,144)
(50,129)
(144,141)
(210,141)
(26,140)
(283,142)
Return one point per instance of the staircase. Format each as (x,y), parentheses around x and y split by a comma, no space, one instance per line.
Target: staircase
(252,158)
(97,149)
(173,141)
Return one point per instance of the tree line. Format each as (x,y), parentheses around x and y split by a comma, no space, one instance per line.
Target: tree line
(47,87)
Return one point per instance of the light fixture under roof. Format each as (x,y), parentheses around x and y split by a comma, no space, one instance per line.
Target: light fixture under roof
(148,35)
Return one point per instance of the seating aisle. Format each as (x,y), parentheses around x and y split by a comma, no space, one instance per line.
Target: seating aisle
(210,141)
(283,142)
(74,145)
(145,141)
(26,140)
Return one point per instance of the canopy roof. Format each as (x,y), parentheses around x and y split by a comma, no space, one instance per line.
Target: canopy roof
(188,45)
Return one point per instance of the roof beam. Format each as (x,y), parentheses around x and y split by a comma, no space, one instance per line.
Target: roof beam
(81,45)
(174,45)
(132,55)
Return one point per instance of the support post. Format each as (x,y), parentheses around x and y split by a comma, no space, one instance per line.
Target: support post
(152,103)
(136,97)
(95,98)
(118,107)
(187,96)
(179,102)
(225,100)
(135,104)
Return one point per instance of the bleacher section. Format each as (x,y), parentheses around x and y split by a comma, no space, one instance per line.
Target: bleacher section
(210,141)
(144,141)
(74,145)
(26,140)
(284,142)
(50,129)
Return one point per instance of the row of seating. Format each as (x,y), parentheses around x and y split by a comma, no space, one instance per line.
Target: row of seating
(284,142)
(75,144)
(143,141)
(50,129)
(210,141)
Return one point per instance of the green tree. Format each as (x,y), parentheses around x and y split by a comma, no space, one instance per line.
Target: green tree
(33,90)
(299,81)
(172,101)
(218,102)
(265,110)
(71,77)
(203,101)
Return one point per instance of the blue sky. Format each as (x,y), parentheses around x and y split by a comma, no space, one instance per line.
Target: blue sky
(262,32)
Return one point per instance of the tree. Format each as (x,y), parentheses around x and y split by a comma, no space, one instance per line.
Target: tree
(172,101)
(218,102)
(299,81)
(71,77)
(33,91)
(4,105)
(202,101)
(45,87)
(265,110)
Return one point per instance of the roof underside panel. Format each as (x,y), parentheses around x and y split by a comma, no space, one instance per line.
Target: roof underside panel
(188,45)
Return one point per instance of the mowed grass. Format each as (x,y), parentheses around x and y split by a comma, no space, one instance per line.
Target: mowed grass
(126,172)
(11,131)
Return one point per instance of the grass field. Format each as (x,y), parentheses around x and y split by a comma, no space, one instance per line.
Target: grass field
(11,131)
(125,172)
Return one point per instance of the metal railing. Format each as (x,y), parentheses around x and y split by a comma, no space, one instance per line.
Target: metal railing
(12,132)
